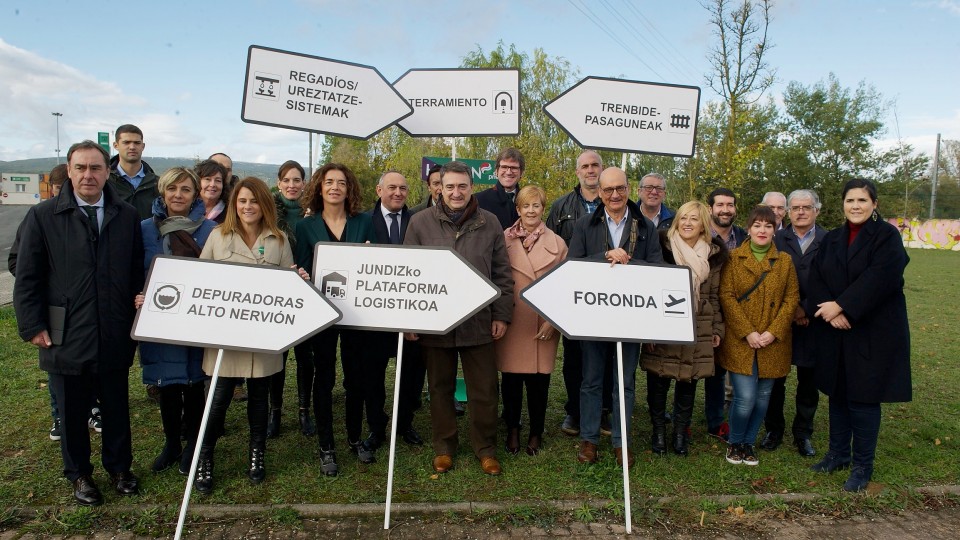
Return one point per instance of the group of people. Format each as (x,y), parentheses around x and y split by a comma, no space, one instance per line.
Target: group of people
(764,297)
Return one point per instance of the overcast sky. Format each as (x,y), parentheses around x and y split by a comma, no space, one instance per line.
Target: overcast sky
(176,68)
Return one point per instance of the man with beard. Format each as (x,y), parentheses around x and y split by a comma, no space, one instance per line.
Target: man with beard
(723,212)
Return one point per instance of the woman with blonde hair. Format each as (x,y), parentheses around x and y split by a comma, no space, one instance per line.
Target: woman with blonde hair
(688,243)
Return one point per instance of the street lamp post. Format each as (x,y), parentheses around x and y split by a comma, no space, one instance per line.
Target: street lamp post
(58,115)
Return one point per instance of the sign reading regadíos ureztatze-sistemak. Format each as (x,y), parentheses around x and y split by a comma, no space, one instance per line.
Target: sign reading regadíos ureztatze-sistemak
(229,306)
(629,116)
(427,290)
(310,93)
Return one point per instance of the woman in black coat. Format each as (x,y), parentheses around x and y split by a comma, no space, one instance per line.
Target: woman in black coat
(862,337)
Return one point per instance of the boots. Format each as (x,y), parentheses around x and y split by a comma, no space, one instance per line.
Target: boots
(257,469)
(307,427)
(273,424)
(682,411)
(168,456)
(203,482)
(657,402)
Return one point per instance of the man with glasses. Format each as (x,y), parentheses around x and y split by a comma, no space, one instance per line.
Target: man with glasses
(650,193)
(499,200)
(778,203)
(616,233)
(801,240)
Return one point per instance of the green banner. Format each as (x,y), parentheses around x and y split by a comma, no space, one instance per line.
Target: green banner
(103,139)
(481,169)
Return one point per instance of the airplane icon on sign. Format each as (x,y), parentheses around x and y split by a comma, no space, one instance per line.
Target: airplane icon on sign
(673,301)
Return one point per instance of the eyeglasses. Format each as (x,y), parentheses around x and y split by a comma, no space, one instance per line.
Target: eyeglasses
(805,208)
(622,190)
(510,168)
(651,189)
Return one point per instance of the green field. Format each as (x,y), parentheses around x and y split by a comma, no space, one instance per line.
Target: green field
(919,443)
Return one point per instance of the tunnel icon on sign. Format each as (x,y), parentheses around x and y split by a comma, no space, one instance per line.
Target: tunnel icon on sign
(505,102)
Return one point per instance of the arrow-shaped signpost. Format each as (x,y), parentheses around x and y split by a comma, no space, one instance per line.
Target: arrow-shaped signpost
(636,302)
(423,290)
(223,305)
(319,95)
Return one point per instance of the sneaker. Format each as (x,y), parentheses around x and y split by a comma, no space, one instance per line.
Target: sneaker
(95,422)
(721,432)
(364,454)
(734,454)
(570,426)
(749,455)
(55,430)
(328,462)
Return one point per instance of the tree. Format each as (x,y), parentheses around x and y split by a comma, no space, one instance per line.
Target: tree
(740,74)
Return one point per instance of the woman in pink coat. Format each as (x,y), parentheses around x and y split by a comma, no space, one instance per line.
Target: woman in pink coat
(528,351)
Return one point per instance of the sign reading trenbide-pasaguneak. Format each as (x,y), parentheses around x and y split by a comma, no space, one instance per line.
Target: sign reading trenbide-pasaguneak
(229,306)
(310,93)
(461,102)
(428,290)
(625,302)
(629,116)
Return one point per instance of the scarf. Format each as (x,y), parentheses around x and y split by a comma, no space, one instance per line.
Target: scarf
(216,210)
(177,232)
(528,238)
(460,217)
(695,258)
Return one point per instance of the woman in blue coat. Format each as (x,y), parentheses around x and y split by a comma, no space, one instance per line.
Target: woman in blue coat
(178,227)
(861,332)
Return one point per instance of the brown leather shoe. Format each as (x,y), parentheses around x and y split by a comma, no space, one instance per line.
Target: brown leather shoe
(490,466)
(618,452)
(442,463)
(588,452)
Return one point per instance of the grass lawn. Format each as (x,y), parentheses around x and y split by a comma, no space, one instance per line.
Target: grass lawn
(918,441)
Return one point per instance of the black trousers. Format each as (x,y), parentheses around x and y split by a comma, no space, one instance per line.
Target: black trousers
(808,397)
(573,377)
(74,394)
(511,386)
(256,410)
(412,375)
(324,347)
(303,355)
(181,410)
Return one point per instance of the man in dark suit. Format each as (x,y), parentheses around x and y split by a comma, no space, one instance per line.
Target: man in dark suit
(79,268)
(500,199)
(801,239)
(390,219)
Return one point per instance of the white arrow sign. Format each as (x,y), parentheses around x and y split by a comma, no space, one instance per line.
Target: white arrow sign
(229,306)
(461,102)
(310,93)
(629,116)
(428,290)
(633,302)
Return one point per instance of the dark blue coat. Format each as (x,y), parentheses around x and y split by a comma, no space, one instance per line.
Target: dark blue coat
(498,202)
(786,241)
(866,279)
(62,263)
(591,237)
(163,363)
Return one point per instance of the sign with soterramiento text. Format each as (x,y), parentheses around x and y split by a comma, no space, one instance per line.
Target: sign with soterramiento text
(229,306)
(310,93)
(461,102)
(624,302)
(428,290)
(629,116)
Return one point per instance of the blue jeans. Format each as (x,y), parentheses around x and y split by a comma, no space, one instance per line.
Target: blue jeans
(751,396)
(596,356)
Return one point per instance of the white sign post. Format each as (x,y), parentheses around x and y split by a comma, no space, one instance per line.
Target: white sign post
(634,302)
(461,102)
(629,116)
(424,290)
(319,95)
(223,305)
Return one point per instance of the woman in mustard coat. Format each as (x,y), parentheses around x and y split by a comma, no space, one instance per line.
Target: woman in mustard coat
(528,351)
(759,293)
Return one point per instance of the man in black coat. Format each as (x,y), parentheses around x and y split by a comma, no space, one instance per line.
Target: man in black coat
(801,240)
(500,200)
(79,268)
(131,177)
(616,233)
(390,219)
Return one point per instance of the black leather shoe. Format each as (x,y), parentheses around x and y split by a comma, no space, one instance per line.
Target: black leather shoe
(805,447)
(831,462)
(772,441)
(86,493)
(125,483)
(168,456)
(307,426)
(680,443)
(273,424)
(411,436)
(658,442)
(374,441)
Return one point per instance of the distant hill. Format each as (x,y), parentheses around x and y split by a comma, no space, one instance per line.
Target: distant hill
(264,171)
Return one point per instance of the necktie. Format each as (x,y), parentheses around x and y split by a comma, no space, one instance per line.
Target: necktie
(395,228)
(92,214)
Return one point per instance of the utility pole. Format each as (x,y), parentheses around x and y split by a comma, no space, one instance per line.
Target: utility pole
(58,115)
(936,171)
(310,158)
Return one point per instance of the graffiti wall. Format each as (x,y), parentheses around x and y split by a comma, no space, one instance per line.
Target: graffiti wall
(930,234)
